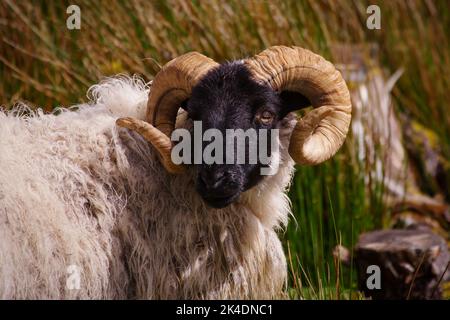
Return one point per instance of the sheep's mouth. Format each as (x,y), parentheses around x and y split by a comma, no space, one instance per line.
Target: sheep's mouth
(219,201)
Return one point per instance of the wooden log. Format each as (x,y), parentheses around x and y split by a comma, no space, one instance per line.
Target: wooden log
(412,263)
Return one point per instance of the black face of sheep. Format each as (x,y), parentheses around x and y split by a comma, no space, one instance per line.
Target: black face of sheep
(254,93)
(228,98)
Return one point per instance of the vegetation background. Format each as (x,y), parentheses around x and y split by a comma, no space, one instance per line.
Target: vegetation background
(44,64)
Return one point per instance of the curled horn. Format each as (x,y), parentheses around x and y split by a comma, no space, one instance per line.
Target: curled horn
(321,132)
(171,86)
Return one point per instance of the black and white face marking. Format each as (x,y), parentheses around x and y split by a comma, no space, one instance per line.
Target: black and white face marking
(228,98)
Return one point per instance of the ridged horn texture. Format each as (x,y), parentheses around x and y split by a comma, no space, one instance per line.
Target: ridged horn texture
(321,132)
(171,86)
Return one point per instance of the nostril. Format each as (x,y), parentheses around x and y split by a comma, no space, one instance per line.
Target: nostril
(212,180)
(203,179)
(219,176)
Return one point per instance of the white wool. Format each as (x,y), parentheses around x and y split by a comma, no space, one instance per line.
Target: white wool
(122,96)
(78,192)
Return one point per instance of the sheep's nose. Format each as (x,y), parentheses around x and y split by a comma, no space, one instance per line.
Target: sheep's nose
(213,179)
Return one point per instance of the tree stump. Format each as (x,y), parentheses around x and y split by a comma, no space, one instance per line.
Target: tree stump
(412,264)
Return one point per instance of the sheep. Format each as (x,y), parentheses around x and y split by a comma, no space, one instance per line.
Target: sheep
(93,194)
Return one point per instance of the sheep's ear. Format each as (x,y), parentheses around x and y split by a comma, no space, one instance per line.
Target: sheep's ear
(292,101)
(184,105)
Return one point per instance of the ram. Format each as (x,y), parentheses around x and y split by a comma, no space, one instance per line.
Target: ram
(92,209)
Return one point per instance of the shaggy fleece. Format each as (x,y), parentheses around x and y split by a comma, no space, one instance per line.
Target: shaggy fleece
(79,193)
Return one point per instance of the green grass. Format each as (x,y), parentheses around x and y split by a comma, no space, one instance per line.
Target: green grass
(44,64)
(331,207)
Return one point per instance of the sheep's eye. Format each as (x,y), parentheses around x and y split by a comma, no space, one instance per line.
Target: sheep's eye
(266,117)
